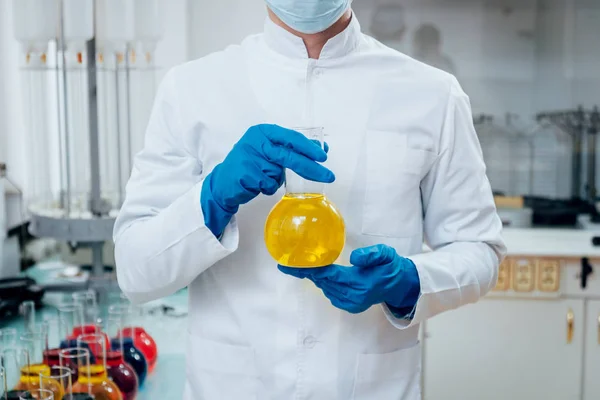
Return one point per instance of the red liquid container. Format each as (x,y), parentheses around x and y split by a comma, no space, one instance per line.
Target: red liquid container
(144,343)
(52,357)
(122,375)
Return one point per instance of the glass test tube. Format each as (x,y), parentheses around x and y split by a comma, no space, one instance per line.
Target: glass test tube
(3,383)
(10,378)
(102,387)
(78,361)
(89,304)
(8,338)
(33,341)
(121,373)
(61,375)
(30,366)
(27,311)
(77,129)
(121,314)
(136,329)
(54,339)
(53,381)
(35,90)
(71,323)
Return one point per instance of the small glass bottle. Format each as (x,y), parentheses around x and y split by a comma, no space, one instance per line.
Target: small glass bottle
(121,313)
(54,330)
(142,340)
(305,229)
(71,319)
(121,373)
(91,314)
(8,338)
(31,362)
(58,374)
(91,377)
(27,311)
(10,375)
(7,382)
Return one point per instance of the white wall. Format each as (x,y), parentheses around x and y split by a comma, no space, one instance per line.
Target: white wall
(217,24)
(174,48)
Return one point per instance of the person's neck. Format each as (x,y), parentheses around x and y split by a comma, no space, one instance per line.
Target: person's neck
(316,41)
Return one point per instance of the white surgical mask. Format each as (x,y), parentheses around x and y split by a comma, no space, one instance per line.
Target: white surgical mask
(309,16)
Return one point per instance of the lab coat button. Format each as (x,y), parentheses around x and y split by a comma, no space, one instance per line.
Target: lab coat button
(310,342)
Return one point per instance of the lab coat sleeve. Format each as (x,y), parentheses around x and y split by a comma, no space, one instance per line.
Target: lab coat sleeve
(461,224)
(161,241)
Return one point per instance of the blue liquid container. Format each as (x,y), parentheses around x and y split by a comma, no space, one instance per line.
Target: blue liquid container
(133,357)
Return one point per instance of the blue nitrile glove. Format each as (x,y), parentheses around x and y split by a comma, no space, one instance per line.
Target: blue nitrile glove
(256,165)
(378,275)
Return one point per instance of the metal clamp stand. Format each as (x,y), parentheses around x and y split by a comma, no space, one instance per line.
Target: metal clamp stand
(581,124)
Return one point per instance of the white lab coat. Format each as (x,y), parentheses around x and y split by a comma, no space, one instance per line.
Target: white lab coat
(409,168)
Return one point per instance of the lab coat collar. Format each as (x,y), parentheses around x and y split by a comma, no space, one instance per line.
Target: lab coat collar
(292,46)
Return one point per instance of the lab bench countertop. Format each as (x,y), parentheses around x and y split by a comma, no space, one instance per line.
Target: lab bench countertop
(550,242)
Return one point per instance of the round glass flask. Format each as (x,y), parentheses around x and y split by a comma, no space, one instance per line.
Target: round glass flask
(305,229)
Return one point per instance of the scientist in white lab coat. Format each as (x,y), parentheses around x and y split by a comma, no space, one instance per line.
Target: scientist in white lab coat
(408,169)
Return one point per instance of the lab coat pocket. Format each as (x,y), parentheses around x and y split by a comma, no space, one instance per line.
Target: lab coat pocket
(221,371)
(390,376)
(392,203)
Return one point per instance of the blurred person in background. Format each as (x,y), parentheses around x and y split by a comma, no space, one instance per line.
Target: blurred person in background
(406,168)
(427,48)
(388,25)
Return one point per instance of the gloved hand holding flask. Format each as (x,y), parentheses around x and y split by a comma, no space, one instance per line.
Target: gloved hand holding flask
(377,275)
(256,165)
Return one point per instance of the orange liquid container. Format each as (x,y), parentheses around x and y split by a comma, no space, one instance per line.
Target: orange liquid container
(305,230)
(30,380)
(95,379)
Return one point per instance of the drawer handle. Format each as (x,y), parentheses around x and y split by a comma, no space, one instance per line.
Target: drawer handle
(570,325)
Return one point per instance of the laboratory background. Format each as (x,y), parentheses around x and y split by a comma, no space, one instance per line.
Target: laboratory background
(73,110)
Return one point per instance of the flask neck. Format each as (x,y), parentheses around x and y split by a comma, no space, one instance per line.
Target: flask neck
(295,184)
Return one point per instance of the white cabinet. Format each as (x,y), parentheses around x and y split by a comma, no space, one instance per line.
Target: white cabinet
(502,349)
(591,382)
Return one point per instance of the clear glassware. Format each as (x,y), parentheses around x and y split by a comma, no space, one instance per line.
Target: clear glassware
(27,311)
(31,362)
(91,314)
(305,229)
(71,323)
(121,373)
(58,374)
(120,314)
(78,361)
(103,387)
(53,329)
(8,338)
(63,375)
(136,329)
(39,394)
(9,360)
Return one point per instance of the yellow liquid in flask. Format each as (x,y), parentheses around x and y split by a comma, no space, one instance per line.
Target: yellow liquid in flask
(305,230)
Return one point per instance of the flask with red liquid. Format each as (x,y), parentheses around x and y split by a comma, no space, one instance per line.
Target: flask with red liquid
(120,372)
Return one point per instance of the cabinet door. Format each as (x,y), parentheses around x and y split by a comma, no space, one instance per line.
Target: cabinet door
(591,383)
(502,349)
